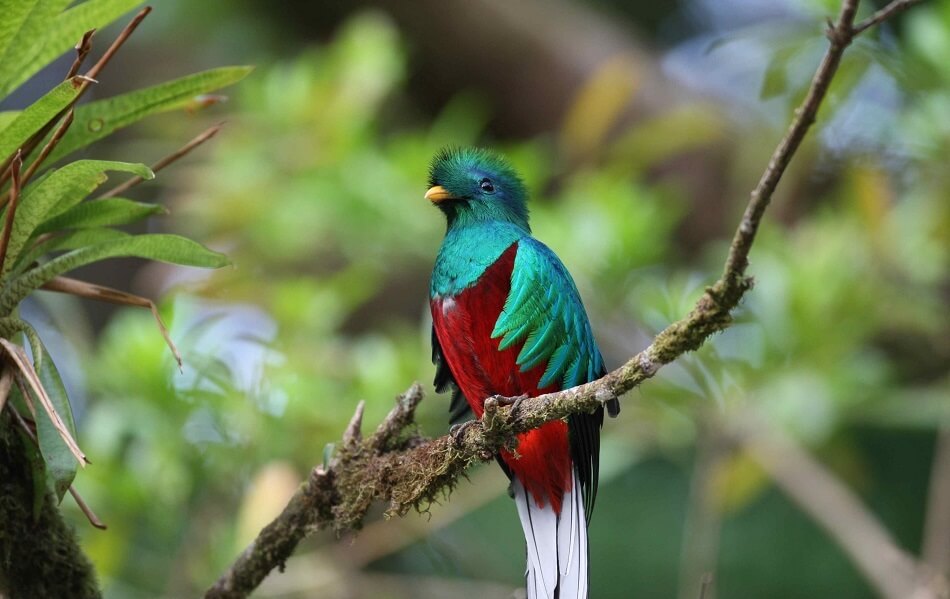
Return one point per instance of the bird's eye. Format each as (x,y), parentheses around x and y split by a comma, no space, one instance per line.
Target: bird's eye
(486,185)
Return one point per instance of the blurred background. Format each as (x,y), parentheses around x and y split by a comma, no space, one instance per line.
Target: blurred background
(640,129)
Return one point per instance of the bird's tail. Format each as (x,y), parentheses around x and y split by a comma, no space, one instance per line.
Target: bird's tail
(557,544)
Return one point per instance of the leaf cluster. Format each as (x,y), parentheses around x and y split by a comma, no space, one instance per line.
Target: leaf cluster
(52,220)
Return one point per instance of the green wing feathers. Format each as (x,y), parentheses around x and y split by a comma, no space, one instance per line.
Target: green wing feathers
(545,311)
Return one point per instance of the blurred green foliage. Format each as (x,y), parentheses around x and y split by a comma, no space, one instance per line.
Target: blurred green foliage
(315,192)
(51,227)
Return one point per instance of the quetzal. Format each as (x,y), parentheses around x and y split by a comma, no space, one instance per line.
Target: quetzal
(508,320)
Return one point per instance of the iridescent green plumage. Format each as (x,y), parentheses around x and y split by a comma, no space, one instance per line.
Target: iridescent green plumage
(508,320)
(544,311)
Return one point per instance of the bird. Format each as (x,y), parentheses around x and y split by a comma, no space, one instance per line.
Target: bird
(507,320)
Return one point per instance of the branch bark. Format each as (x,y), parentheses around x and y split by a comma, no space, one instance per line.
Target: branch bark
(936,550)
(397,466)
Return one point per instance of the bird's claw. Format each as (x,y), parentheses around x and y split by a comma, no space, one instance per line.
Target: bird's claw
(457,431)
(514,403)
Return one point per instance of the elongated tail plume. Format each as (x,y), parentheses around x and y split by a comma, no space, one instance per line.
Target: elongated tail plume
(557,545)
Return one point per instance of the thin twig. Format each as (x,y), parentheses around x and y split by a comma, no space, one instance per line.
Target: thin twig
(353,433)
(50,145)
(83,46)
(414,471)
(123,35)
(90,515)
(27,429)
(839,36)
(15,167)
(25,394)
(884,14)
(113,296)
(22,363)
(6,383)
(179,153)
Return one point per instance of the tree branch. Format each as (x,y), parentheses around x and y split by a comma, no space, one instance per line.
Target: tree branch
(884,14)
(396,466)
(890,569)
(936,550)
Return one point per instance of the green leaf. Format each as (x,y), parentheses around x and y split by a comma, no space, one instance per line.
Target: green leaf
(57,193)
(21,40)
(72,240)
(33,456)
(107,212)
(54,465)
(775,80)
(32,119)
(164,248)
(31,448)
(56,34)
(96,120)
(7,117)
(61,464)
(15,13)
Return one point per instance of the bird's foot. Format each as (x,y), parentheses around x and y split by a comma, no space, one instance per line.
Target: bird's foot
(457,431)
(513,402)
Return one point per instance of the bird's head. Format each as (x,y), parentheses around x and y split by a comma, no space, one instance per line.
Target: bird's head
(473,185)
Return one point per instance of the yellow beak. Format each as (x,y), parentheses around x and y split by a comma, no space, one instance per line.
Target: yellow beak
(438,194)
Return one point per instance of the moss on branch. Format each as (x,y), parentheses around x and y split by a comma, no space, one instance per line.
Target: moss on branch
(39,554)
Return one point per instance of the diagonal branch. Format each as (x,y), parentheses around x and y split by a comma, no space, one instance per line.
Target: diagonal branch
(179,153)
(83,47)
(884,14)
(64,126)
(6,382)
(891,570)
(22,363)
(15,167)
(113,48)
(936,550)
(839,36)
(396,466)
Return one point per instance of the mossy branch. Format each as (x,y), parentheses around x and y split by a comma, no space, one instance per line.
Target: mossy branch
(398,467)
(39,553)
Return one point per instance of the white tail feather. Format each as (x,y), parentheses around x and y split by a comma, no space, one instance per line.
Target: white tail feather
(557,545)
